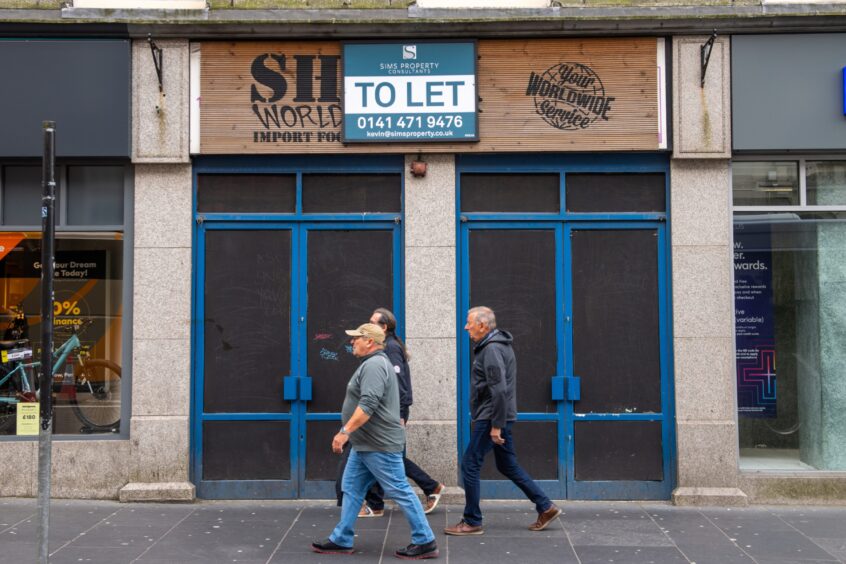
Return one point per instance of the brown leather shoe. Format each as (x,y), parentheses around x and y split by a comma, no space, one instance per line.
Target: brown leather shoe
(463,529)
(545,518)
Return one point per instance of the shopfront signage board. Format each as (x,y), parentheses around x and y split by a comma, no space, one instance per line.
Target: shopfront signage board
(533,95)
(422,92)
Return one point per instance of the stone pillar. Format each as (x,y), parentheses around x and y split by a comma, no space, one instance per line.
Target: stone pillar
(161,346)
(703,296)
(430,302)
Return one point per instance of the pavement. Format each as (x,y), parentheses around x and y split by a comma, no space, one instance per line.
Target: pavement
(267,532)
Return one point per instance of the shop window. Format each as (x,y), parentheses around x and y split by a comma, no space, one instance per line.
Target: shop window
(765,183)
(352,193)
(89,292)
(610,193)
(790,318)
(95,195)
(826,183)
(247,193)
(510,193)
(22,195)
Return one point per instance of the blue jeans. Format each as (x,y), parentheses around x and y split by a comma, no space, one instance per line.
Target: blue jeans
(362,471)
(506,462)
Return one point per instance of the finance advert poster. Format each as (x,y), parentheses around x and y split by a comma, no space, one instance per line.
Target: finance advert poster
(754,321)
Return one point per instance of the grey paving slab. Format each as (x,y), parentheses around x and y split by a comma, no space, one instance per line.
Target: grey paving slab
(814,522)
(13,513)
(629,555)
(282,532)
(16,552)
(697,537)
(473,550)
(835,547)
(93,555)
(766,537)
(208,541)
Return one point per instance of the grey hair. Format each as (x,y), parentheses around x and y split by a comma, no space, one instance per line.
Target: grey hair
(484,315)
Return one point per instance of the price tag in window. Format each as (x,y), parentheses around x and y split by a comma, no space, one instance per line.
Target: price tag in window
(28,419)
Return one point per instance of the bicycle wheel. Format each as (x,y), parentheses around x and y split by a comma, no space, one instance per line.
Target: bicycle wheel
(8,418)
(8,410)
(96,401)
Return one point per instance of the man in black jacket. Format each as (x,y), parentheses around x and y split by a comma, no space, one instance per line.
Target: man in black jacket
(493,403)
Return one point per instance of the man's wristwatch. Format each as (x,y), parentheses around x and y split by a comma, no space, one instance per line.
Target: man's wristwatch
(344,431)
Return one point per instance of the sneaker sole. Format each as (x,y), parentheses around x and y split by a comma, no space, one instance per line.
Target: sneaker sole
(553,518)
(465,534)
(426,556)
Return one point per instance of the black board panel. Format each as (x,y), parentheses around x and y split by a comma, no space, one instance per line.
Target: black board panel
(510,193)
(247,324)
(609,193)
(615,320)
(247,193)
(350,274)
(618,450)
(352,193)
(512,271)
(246,450)
(321,462)
(536,445)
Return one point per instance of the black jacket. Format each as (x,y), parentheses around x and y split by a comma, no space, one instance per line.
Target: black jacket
(394,351)
(493,380)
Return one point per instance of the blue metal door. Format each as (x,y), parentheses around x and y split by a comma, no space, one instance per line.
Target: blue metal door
(286,258)
(571,254)
(275,360)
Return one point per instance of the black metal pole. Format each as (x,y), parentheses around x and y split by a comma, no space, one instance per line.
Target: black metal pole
(45,382)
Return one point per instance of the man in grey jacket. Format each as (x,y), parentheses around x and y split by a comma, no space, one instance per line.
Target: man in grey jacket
(371,423)
(493,401)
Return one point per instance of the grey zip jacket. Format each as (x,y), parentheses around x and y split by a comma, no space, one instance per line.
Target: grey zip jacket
(493,380)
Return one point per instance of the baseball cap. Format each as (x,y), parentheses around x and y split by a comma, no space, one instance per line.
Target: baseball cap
(369,331)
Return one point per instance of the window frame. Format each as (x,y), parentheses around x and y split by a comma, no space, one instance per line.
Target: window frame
(127,229)
(801,160)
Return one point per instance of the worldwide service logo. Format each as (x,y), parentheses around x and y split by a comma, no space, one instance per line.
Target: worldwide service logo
(569,96)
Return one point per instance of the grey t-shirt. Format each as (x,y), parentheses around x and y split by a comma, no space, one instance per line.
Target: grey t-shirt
(374,388)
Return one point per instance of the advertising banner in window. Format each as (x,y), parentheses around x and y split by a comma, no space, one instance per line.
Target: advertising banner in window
(87,306)
(532,95)
(754,321)
(423,92)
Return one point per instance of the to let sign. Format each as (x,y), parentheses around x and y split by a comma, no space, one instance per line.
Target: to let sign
(420,92)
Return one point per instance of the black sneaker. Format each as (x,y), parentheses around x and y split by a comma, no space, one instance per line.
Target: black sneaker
(329,547)
(418,551)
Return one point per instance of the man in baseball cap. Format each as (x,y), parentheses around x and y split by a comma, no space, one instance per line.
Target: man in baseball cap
(371,423)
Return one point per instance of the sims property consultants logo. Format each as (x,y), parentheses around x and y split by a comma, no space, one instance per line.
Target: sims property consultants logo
(409,52)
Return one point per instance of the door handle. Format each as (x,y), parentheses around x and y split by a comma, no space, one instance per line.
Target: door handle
(305,388)
(289,388)
(566,388)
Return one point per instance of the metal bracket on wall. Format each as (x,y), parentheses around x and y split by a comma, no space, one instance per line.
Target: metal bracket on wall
(705,56)
(157,54)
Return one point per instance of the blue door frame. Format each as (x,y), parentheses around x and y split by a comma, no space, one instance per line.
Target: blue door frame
(563,223)
(297,382)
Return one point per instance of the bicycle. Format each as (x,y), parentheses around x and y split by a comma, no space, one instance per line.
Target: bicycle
(92,389)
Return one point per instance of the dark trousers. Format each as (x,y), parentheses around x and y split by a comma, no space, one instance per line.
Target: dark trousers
(375,495)
(506,463)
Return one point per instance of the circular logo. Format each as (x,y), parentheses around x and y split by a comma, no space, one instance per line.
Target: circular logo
(569,96)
